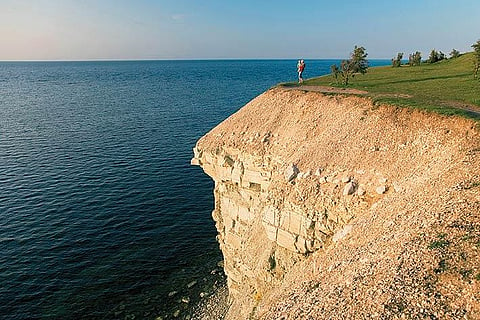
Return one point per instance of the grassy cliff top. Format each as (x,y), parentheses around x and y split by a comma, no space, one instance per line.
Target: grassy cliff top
(446,87)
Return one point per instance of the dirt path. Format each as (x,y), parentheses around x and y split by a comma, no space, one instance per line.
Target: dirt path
(325,89)
(471,109)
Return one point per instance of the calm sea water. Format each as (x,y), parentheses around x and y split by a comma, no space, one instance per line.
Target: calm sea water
(101,214)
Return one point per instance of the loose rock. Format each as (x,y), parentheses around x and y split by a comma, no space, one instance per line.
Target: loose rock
(381,189)
(291,172)
(349,189)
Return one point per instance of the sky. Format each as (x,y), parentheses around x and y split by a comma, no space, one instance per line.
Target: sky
(226,29)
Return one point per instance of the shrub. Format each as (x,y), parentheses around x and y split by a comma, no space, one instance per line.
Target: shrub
(435,56)
(397,62)
(348,68)
(454,54)
(415,59)
(476,59)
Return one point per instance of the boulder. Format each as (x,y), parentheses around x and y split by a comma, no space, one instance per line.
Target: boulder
(291,172)
(349,189)
(381,189)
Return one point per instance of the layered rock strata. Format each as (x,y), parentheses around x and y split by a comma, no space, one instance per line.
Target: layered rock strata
(295,172)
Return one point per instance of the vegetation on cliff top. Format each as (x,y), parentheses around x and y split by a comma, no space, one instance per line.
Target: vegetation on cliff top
(447,87)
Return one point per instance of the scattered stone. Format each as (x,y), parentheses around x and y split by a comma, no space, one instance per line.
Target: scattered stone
(383,180)
(291,172)
(191,284)
(186,300)
(172,293)
(349,189)
(361,191)
(221,264)
(346,179)
(176,314)
(323,180)
(397,187)
(195,162)
(381,189)
(203,294)
(318,172)
(339,235)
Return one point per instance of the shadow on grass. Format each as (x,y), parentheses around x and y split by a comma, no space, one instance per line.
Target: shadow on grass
(427,79)
(436,108)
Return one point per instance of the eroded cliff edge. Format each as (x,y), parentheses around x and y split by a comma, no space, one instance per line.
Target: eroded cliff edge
(328,207)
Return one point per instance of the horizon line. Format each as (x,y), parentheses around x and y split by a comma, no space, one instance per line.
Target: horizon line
(181,59)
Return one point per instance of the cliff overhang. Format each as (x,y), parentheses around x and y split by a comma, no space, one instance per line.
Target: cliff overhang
(326,193)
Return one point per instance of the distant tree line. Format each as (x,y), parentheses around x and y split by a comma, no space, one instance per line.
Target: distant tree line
(358,62)
(415,59)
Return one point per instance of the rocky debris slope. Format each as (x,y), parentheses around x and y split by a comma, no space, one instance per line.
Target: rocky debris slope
(328,207)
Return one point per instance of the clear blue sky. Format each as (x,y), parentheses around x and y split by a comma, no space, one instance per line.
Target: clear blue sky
(211,29)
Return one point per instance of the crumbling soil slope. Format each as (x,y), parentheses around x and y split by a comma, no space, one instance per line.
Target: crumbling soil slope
(412,251)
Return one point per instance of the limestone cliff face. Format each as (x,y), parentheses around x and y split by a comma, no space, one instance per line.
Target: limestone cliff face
(295,173)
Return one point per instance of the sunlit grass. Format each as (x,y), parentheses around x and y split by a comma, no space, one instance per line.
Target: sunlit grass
(445,87)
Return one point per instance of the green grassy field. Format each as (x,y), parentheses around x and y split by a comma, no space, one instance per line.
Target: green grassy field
(446,87)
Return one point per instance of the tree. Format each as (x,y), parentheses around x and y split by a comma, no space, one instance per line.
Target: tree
(476,58)
(335,71)
(397,62)
(436,56)
(349,68)
(415,59)
(454,54)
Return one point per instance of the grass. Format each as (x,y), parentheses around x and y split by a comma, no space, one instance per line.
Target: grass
(440,243)
(445,87)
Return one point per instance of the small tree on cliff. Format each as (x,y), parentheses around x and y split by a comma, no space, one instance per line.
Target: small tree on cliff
(397,62)
(335,71)
(435,56)
(415,59)
(349,68)
(476,58)
(454,54)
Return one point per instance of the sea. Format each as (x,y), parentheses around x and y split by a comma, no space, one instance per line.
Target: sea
(101,214)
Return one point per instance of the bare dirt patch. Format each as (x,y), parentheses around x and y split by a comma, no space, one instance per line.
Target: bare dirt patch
(326,89)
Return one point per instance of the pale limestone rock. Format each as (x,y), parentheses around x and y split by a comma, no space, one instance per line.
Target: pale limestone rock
(307,174)
(318,172)
(271,232)
(340,234)
(301,245)
(295,223)
(381,189)
(195,162)
(291,172)
(244,214)
(361,191)
(349,189)
(269,216)
(346,179)
(397,187)
(237,172)
(286,239)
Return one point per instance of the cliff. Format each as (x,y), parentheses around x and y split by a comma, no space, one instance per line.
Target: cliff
(328,207)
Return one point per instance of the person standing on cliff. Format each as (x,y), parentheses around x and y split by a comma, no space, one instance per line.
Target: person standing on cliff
(300,68)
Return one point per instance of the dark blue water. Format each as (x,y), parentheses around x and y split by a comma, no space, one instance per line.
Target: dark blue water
(101,214)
